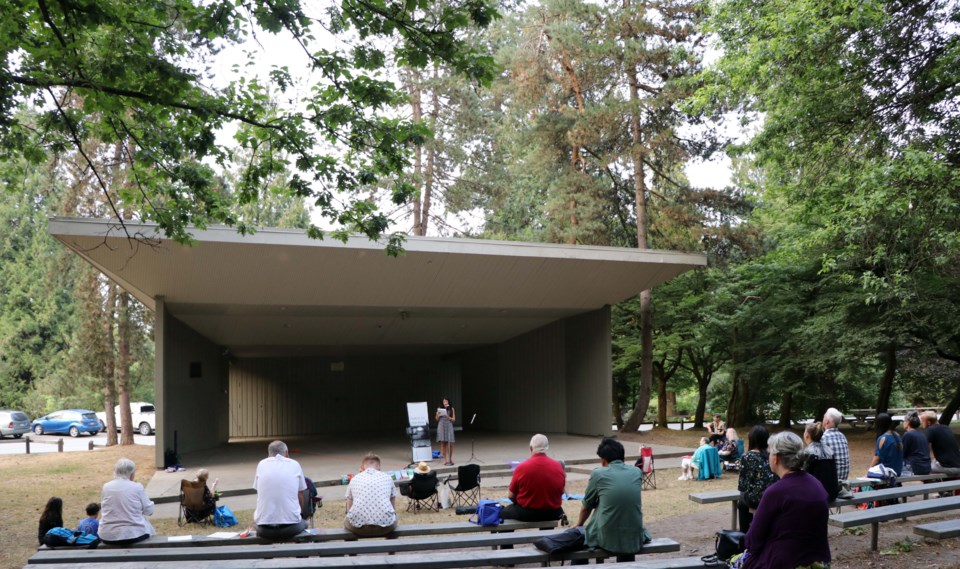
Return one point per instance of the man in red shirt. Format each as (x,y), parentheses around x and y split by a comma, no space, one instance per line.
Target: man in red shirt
(536,488)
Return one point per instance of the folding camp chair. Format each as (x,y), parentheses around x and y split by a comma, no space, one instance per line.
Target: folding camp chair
(423,493)
(311,502)
(647,468)
(467,490)
(193,509)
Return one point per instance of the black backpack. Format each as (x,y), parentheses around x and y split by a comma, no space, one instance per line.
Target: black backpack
(825,470)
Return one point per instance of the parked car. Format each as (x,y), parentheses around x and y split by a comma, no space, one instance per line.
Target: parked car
(143,416)
(70,421)
(13,423)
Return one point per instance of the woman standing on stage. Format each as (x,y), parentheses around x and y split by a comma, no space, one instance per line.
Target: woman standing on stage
(445,418)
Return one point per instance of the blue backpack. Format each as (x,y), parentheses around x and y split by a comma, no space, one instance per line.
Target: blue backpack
(488,513)
(63,537)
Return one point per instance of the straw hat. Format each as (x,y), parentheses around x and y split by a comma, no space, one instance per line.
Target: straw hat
(423,468)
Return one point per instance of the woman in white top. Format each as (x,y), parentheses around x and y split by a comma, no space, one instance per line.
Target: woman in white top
(124,505)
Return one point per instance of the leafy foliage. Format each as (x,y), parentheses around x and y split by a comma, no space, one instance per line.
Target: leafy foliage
(141,74)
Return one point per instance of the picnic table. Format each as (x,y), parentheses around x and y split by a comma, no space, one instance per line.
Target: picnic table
(867,416)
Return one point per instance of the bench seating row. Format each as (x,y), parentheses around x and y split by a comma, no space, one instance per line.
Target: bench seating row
(874,516)
(340,534)
(416,552)
(925,490)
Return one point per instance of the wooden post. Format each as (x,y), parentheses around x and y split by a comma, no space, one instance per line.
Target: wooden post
(733,515)
(59,445)
(27,440)
(90,445)
(874,535)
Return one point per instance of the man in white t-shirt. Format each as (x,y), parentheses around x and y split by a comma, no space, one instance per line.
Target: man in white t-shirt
(371,501)
(280,485)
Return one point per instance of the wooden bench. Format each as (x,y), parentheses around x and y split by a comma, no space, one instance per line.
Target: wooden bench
(939,530)
(861,482)
(896,511)
(733,496)
(297,556)
(340,534)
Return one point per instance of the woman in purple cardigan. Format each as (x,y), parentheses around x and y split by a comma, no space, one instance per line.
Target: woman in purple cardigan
(789,529)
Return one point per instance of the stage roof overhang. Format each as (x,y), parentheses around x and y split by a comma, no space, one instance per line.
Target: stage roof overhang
(278,292)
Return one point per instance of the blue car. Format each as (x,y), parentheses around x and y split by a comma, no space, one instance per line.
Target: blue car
(69,421)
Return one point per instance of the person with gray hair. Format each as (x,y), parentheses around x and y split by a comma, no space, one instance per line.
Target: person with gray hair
(834,440)
(124,507)
(536,488)
(280,485)
(790,526)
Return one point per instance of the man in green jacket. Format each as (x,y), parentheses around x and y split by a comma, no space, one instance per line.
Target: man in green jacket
(613,499)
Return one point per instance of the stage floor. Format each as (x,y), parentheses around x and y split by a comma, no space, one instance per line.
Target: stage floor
(329,457)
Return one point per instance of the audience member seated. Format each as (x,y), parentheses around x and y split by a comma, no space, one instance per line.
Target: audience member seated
(124,506)
(834,440)
(730,450)
(209,499)
(706,461)
(612,504)
(943,446)
(280,484)
(889,447)
(755,475)
(90,525)
(790,526)
(916,449)
(717,426)
(536,487)
(51,517)
(820,463)
(371,501)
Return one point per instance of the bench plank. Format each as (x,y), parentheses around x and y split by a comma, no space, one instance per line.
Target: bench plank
(886,513)
(340,534)
(939,530)
(333,548)
(441,560)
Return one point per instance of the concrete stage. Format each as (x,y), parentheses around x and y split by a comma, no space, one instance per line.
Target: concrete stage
(328,457)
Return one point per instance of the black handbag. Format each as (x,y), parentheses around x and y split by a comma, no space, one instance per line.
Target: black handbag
(729,543)
(570,540)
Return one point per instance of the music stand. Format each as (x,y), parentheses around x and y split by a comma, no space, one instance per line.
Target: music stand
(473,442)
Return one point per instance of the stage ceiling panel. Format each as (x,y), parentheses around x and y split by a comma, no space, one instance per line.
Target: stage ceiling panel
(278,291)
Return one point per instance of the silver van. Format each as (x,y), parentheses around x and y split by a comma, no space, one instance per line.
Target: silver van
(14,423)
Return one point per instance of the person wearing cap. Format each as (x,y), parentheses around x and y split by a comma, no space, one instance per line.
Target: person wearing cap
(889,448)
(280,484)
(536,488)
(371,500)
(943,445)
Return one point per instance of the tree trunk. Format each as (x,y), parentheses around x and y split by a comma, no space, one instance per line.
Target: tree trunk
(701,404)
(951,409)
(734,395)
(416,114)
(646,298)
(889,373)
(617,412)
(428,175)
(123,368)
(109,382)
(661,397)
(786,410)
